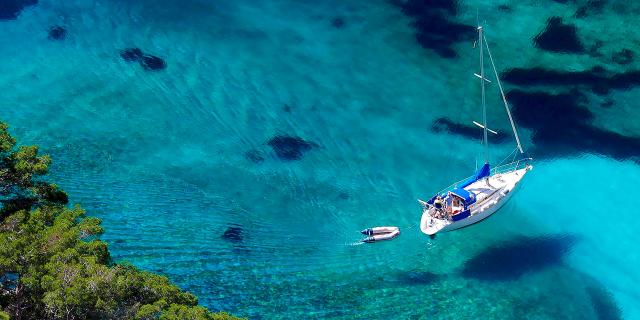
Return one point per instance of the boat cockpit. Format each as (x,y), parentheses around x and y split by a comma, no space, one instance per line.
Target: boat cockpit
(453,207)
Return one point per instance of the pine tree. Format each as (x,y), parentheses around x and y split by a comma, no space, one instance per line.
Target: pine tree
(53,264)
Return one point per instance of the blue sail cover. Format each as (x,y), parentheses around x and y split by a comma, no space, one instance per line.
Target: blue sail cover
(468,197)
(481,173)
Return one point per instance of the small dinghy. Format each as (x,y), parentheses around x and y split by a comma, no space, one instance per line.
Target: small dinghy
(380,234)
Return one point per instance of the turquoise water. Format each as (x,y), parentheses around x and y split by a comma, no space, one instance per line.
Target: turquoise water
(178,162)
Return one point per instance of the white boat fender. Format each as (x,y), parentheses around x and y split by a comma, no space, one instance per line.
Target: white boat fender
(381,236)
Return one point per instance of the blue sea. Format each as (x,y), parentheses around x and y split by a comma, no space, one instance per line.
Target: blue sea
(243,161)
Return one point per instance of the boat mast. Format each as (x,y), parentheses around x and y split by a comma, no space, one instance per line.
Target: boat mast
(484,107)
(504,98)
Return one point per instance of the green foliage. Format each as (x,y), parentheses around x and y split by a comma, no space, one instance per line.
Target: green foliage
(62,270)
(179,312)
(21,171)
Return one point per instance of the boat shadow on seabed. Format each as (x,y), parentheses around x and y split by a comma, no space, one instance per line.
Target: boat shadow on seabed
(515,258)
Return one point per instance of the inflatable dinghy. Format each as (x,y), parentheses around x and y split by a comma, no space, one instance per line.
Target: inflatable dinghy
(380,234)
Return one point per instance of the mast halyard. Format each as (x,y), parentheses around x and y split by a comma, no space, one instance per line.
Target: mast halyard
(504,98)
(484,107)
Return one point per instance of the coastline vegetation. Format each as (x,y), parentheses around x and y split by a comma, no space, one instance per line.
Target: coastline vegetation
(53,264)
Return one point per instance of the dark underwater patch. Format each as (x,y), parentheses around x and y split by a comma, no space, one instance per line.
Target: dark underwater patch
(152,63)
(598,79)
(625,80)
(559,37)
(623,57)
(254,156)
(147,61)
(338,22)
(467,131)
(590,8)
(542,76)
(516,258)
(57,33)
(536,110)
(233,234)
(10,9)
(603,303)
(608,103)
(434,28)
(290,148)
(416,278)
(504,8)
(131,54)
(586,138)
(416,8)
(562,126)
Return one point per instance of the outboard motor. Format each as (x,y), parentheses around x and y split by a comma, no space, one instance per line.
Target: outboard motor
(369,239)
(367,232)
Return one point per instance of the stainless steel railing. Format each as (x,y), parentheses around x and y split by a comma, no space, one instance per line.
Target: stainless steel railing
(515,165)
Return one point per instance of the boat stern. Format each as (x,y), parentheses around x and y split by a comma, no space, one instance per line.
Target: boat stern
(430,225)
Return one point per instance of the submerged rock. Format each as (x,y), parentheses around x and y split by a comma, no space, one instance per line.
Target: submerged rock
(541,110)
(559,37)
(435,29)
(233,234)
(254,156)
(599,80)
(337,22)
(591,7)
(561,125)
(624,56)
(423,7)
(608,103)
(153,63)
(542,76)
(131,54)
(10,9)
(504,8)
(57,33)
(290,148)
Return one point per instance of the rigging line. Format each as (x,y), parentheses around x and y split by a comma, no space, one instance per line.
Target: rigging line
(504,98)
(507,157)
(514,155)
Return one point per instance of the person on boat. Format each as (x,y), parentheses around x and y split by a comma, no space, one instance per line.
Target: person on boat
(438,204)
(455,206)
(449,200)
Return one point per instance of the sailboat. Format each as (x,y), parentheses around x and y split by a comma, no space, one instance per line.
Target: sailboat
(475,198)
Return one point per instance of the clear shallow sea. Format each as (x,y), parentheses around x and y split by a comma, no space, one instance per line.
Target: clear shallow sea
(177,162)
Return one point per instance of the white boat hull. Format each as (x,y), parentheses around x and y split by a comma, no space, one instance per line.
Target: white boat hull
(481,195)
(496,191)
